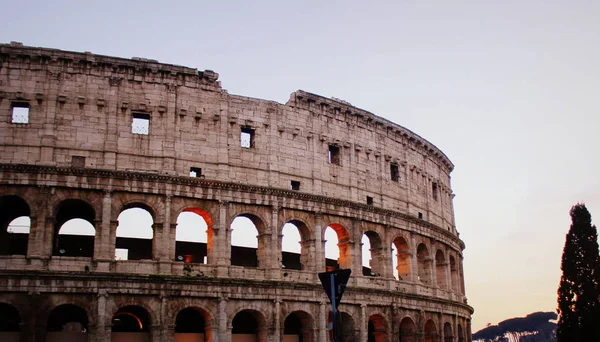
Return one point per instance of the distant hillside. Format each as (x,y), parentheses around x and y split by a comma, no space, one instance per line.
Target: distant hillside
(535,327)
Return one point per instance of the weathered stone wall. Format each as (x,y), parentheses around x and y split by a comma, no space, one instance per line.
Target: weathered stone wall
(82,105)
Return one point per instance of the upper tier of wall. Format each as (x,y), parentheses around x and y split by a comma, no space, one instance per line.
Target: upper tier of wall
(83,105)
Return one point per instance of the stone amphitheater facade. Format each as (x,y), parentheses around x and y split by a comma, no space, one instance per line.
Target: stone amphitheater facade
(86,136)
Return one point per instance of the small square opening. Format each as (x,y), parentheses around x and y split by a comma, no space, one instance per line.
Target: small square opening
(140,123)
(196,172)
(333,155)
(247,137)
(420,215)
(369,200)
(395,172)
(20,112)
(295,185)
(77,161)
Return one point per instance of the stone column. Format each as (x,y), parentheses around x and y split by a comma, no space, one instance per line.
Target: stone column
(277,335)
(222,240)
(48,245)
(103,329)
(104,230)
(274,252)
(166,255)
(319,255)
(414,262)
(155,333)
(224,333)
(167,328)
(322,322)
(364,323)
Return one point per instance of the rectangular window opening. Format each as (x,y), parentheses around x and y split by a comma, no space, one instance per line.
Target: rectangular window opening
(369,200)
(420,215)
(434,191)
(395,172)
(77,161)
(20,112)
(140,123)
(295,185)
(247,137)
(196,172)
(333,155)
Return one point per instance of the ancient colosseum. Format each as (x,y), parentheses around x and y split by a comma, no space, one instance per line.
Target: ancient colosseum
(87,139)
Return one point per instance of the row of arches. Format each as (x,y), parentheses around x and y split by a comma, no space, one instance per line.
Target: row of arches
(75,223)
(69,322)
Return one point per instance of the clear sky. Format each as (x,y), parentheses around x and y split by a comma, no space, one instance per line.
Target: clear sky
(509,90)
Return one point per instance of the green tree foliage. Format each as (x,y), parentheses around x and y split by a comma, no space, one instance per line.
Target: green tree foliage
(578,291)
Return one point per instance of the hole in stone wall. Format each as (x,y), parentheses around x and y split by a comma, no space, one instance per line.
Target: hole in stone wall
(395,172)
(333,155)
(295,185)
(140,123)
(247,137)
(196,172)
(20,112)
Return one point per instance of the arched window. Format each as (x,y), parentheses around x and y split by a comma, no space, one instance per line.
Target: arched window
(67,323)
(401,258)
(248,325)
(246,248)
(14,225)
(337,249)
(130,323)
(448,336)
(298,326)
(74,230)
(293,255)
(193,324)
(460,333)
(424,261)
(192,235)
(348,330)
(10,323)
(377,329)
(408,330)
(134,234)
(430,331)
(454,275)
(372,254)
(440,270)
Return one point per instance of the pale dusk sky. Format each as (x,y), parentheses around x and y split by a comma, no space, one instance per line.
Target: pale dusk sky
(509,90)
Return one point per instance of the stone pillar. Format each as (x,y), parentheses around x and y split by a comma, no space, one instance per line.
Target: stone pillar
(322,322)
(308,256)
(165,250)
(364,323)
(277,335)
(114,224)
(103,231)
(319,255)
(48,244)
(33,249)
(167,328)
(37,233)
(155,333)
(222,240)
(414,262)
(224,332)
(274,249)
(103,329)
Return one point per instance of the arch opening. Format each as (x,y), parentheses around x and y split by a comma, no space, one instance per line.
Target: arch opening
(193,324)
(424,264)
(297,327)
(454,274)
(15,225)
(10,323)
(448,336)
(67,322)
(401,258)
(247,243)
(135,234)
(377,329)
(430,332)
(348,331)
(74,230)
(130,323)
(192,236)
(336,239)
(440,270)
(294,250)
(372,254)
(247,326)
(460,333)
(408,330)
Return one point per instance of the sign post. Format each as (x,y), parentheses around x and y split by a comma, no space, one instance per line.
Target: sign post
(334,284)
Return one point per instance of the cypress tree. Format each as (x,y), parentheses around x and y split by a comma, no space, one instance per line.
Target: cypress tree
(578,291)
